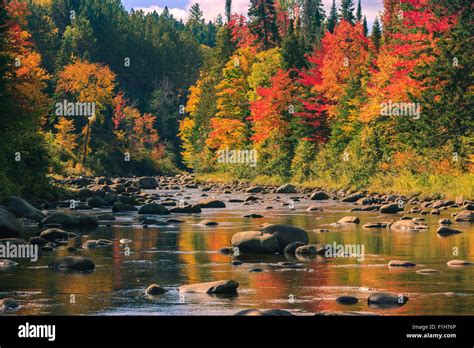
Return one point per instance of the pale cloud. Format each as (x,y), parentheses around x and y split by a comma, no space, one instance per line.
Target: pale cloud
(177,13)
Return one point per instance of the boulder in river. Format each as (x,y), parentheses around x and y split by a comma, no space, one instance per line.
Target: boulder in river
(459,263)
(155,289)
(407,226)
(291,248)
(71,220)
(97,202)
(188,209)
(447,231)
(8,305)
(255,242)
(347,300)
(286,234)
(147,183)
(349,220)
(319,196)
(255,189)
(353,197)
(398,263)
(9,226)
(211,203)
(119,207)
(72,264)
(287,188)
(465,215)
(264,313)
(6,264)
(154,209)
(375,225)
(208,223)
(21,208)
(221,287)
(386,300)
(54,234)
(391,208)
(311,249)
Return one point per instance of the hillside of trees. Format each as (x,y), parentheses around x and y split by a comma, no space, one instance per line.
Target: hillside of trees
(301,87)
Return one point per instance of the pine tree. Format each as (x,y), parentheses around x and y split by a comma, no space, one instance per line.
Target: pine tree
(196,14)
(366,28)
(359,12)
(333,18)
(228,9)
(347,11)
(313,20)
(376,35)
(262,16)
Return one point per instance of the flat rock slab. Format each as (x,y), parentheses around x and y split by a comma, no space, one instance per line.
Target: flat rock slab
(459,263)
(222,287)
(398,263)
(447,231)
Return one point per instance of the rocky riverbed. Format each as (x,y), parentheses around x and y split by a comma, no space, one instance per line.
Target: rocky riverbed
(172,246)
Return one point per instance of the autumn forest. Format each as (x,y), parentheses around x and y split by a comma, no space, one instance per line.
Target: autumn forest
(320,99)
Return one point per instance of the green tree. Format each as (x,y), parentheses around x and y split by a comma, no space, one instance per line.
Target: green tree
(347,11)
(333,18)
(376,35)
(262,17)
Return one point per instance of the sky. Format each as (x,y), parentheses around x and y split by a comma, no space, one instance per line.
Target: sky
(211,8)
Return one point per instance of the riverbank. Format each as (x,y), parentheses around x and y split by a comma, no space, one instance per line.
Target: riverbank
(425,186)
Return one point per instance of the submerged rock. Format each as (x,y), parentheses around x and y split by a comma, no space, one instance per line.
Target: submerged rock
(188,209)
(208,223)
(349,220)
(7,264)
(264,313)
(120,207)
(70,220)
(72,264)
(54,234)
(446,231)
(155,289)
(347,300)
(407,226)
(8,305)
(398,263)
(223,287)
(375,225)
(291,248)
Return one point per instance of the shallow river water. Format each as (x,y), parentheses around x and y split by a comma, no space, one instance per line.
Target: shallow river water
(188,253)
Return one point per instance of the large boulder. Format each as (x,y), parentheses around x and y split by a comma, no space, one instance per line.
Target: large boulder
(353,197)
(120,207)
(147,183)
(286,234)
(222,287)
(211,203)
(391,208)
(9,225)
(54,234)
(21,208)
(72,264)
(466,215)
(188,209)
(386,300)
(319,196)
(287,188)
(407,226)
(154,209)
(71,220)
(255,189)
(96,202)
(255,242)
(446,231)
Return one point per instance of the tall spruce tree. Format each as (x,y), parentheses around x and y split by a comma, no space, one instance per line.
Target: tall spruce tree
(228,9)
(376,35)
(333,17)
(263,23)
(366,28)
(359,12)
(347,11)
